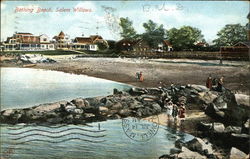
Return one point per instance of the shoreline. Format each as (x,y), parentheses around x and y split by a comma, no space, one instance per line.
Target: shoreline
(155,71)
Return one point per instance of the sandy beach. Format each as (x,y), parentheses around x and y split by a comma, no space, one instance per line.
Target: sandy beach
(167,71)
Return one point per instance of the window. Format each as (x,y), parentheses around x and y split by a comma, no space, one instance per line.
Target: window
(25,45)
(44,39)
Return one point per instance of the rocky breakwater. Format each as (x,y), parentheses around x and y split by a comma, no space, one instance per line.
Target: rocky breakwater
(118,105)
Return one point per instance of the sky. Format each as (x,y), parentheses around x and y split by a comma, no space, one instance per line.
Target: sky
(102,17)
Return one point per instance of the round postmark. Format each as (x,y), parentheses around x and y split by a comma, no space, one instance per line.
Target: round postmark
(140,129)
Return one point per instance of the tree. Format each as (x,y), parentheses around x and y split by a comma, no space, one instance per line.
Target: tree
(184,38)
(230,35)
(154,33)
(128,32)
(102,45)
(111,44)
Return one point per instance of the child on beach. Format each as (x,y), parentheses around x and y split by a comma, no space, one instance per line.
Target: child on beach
(182,114)
(175,113)
(169,107)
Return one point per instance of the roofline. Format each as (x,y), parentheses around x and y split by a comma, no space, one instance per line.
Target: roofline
(243,44)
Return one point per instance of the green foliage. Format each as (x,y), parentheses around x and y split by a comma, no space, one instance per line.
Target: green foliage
(184,38)
(102,45)
(111,44)
(154,33)
(230,35)
(128,32)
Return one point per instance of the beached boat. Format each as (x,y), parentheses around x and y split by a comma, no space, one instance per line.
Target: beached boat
(29,65)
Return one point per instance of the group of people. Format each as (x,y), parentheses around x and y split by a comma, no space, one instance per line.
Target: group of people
(215,84)
(139,76)
(175,112)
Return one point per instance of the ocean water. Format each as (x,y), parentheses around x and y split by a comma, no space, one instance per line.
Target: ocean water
(106,141)
(25,87)
(99,140)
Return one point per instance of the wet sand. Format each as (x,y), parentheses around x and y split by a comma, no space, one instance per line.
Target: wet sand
(177,71)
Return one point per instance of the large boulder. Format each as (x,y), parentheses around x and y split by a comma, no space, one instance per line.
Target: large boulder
(135,105)
(213,111)
(242,99)
(154,91)
(156,108)
(137,91)
(199,88)
(148,98)
(188,154)
(7,112)
(11,116)
(241,141)
(147,111)
(103,110)
(91,109)
(125,112)
(205,127)
(237,154)
(93,102)
(80,102)
(239,110)
(218,127)
(167,156)
(51,107)
(233,129)
(117,105)
(200,146)
(70,108)
(220,103)
(208,97)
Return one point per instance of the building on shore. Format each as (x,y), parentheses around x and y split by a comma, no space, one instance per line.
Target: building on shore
(62,41)
(125,45)
(88,43)
(28,42)
(168,46)
(241,50)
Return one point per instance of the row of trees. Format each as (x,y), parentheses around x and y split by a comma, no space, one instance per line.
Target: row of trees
(183,38)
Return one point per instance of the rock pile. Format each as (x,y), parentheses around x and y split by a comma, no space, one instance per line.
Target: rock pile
(35,58)
(81,110)
(198,148)
(20,59)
